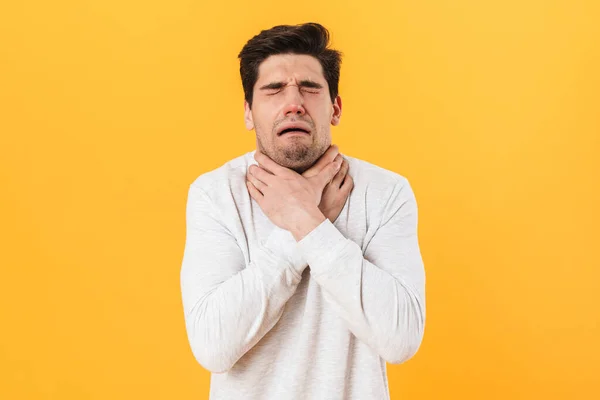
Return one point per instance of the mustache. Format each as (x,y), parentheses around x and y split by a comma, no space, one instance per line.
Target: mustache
(291,120)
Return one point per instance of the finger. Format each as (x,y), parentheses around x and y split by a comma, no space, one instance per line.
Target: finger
(271,166)
(256,182)
(258,154)
(330,170)
(322,162)
(254,192)
(339,177)
(348,184)
(261,174)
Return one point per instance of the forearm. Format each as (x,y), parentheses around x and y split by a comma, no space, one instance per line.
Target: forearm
(383,308)
(227,322)
(231,301)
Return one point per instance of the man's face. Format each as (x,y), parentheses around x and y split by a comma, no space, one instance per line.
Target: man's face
(290,96)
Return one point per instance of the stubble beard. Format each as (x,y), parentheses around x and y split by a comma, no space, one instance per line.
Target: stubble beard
(297,156)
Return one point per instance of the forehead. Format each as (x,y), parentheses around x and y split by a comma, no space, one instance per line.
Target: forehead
(288,66)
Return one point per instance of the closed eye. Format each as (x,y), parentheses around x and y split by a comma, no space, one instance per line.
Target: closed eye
(272,92)
(276,87)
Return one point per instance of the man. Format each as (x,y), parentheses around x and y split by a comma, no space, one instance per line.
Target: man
(302,272)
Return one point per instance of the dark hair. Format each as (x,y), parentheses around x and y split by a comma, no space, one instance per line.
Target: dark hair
(309,39)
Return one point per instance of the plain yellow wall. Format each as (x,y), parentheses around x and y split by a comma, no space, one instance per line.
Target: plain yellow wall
(110,109)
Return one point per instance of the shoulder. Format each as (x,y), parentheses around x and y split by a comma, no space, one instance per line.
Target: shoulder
(225,178)
(374,178)
(383,192)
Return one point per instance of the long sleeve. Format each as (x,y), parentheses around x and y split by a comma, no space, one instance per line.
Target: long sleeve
(228,305)
(381,293)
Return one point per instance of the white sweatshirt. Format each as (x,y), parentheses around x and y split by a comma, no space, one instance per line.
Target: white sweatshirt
(277,319)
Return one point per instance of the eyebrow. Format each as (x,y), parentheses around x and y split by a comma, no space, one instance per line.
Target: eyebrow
(303,83)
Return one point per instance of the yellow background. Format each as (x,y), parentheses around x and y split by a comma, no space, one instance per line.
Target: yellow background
(110,109)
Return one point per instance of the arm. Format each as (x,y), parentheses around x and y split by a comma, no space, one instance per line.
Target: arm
(380,295)
(229,306)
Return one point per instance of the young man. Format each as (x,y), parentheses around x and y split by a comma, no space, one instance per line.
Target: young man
(302,273)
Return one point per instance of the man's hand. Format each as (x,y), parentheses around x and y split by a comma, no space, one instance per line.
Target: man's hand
(337,191)
(289,199)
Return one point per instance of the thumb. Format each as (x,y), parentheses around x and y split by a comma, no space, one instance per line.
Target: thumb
(329,172)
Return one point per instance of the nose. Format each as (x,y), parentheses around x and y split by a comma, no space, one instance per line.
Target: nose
(294,103)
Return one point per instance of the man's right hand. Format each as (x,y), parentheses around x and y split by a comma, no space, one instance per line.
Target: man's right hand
(337,191)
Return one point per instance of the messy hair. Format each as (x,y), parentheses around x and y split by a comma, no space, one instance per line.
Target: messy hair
(307,39)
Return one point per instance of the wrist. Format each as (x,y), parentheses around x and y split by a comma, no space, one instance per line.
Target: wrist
(306,222)
(327,213)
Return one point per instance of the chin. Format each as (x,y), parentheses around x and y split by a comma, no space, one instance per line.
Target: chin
(300,169)
(298,166)
(298,158)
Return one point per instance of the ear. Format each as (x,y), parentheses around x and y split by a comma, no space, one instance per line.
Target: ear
(337,111)
(248,116)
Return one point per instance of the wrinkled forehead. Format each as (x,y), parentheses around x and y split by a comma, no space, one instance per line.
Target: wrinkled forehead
(290,68)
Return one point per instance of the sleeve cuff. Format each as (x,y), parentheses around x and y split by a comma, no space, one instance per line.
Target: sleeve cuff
(321,246)
(282,243)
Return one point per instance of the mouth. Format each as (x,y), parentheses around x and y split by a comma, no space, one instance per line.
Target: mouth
(296,128)
(297,131)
